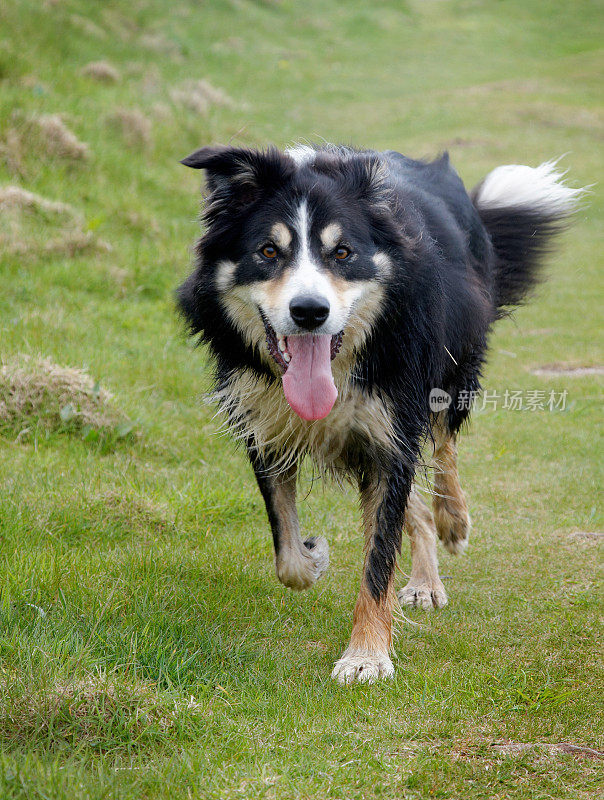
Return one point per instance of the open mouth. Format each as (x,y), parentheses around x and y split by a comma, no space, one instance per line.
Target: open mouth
(305,364)
(277,346)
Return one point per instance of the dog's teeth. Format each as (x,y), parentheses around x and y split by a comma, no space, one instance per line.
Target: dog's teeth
(282,344)
(287,358)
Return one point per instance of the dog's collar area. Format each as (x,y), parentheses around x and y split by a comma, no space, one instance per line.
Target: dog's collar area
(277,347)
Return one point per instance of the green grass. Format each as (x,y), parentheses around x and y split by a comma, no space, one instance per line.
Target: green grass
(146,649)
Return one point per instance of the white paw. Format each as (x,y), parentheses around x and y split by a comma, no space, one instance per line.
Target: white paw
(362,666)
(301,568)
(426,595)
(457,546)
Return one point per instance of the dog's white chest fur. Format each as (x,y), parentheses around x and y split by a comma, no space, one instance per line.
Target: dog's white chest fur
(256,406)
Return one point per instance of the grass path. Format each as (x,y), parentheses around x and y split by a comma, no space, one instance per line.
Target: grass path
(146,649)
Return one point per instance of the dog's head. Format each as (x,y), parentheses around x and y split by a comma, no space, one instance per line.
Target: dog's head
(297,248)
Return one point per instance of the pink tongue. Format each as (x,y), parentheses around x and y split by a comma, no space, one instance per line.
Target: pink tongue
(308,383)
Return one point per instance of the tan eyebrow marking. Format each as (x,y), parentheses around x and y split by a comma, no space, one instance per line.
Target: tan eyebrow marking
(281,235)
(331,235)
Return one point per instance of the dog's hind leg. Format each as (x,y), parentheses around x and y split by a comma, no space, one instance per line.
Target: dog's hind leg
(449,503)
(367,657)
(299,564)
(425,588)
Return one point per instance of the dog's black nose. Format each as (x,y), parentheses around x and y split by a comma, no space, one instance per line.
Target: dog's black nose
(309,311)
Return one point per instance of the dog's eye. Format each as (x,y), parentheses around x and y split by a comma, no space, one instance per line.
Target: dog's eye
(342,253)
(268,251)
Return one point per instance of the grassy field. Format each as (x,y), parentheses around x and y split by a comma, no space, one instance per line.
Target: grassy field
(146,648)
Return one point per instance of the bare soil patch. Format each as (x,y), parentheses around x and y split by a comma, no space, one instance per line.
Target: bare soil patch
(513,748)
(566,370)
(588,535)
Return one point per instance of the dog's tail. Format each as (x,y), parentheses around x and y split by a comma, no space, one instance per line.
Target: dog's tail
(522,208)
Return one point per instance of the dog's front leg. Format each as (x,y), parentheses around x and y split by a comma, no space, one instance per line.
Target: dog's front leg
(299,564)
(383,500)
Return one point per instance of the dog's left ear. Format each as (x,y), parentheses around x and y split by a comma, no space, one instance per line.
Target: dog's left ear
(240,171)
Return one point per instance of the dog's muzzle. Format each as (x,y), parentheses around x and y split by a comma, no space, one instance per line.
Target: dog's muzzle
(305,363)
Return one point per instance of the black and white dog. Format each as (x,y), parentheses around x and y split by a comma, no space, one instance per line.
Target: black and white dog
(336,290)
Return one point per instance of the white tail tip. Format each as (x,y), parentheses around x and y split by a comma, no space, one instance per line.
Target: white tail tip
(528,188)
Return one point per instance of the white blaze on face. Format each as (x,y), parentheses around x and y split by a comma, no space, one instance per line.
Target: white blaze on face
(308,277)
(308,381)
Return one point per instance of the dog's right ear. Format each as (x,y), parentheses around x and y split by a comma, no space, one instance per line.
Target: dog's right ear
(238,170)
(219,158)
(219,162)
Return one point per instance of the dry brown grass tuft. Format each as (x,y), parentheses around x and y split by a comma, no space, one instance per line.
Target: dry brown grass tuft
(162,111)
(42,136)
(161,44)
(70,244)
(87,26)
(101,71)
(36,393)
(56,138)
(199,96)
(27,217)
(133,126)
(93,710)
(11,152)
(17,198)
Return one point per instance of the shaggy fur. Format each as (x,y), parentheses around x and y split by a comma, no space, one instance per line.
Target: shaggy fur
(407,272)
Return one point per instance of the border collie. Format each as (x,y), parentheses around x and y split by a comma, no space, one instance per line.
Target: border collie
(336,289)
